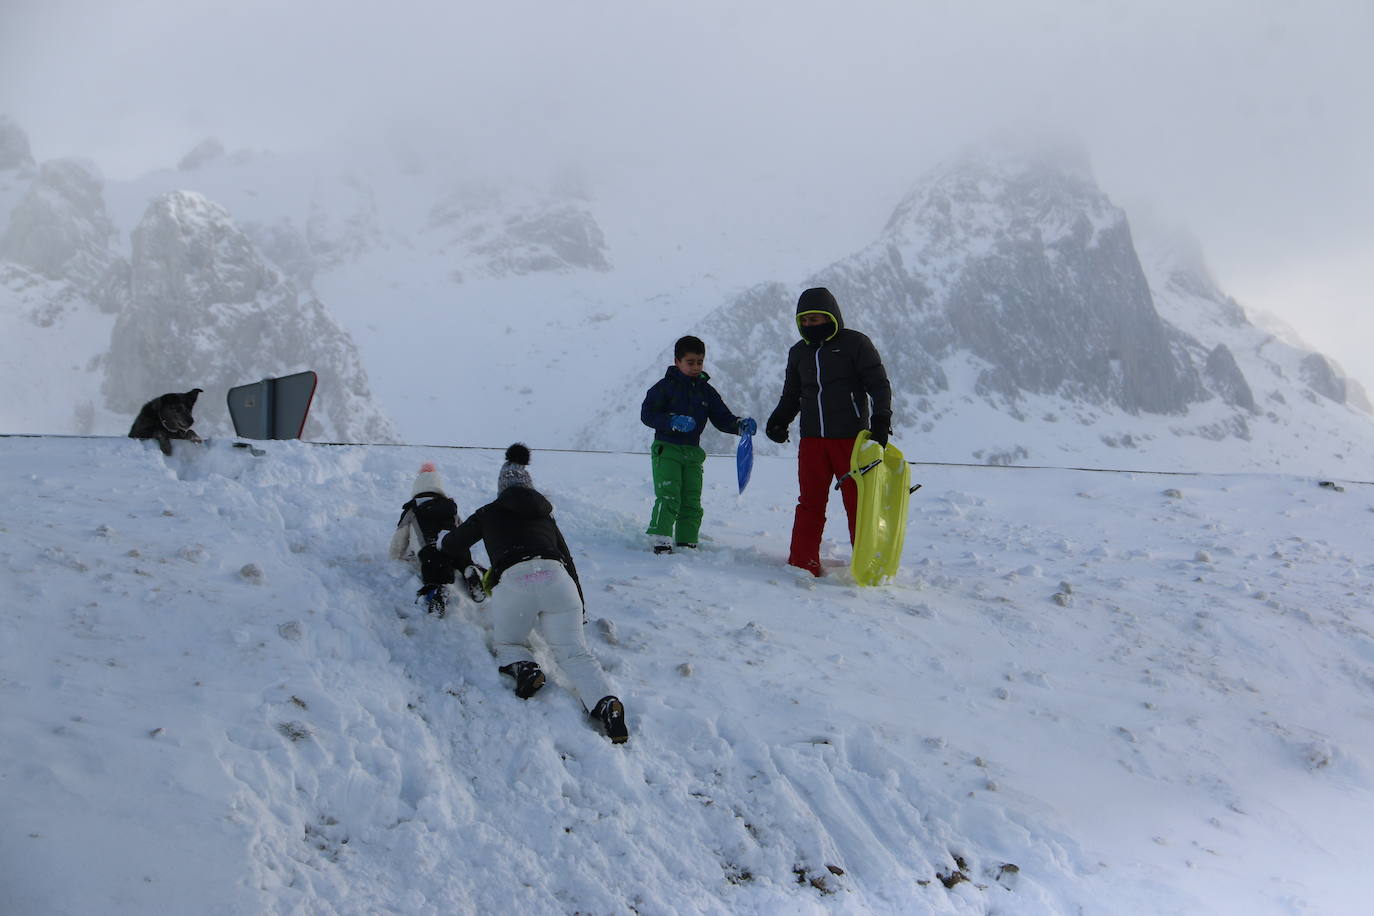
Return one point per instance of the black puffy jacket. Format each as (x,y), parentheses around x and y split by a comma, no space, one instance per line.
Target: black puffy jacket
(831,383)
(518,525)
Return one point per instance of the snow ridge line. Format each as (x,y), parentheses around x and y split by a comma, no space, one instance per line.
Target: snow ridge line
(601,451)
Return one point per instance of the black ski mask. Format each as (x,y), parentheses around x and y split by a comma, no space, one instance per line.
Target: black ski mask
(816,333)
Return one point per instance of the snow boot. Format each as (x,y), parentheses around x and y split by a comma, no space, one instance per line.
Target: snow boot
(687,545)
(472,576)
(609,713)
(436,602)
(662,545)
(528,678)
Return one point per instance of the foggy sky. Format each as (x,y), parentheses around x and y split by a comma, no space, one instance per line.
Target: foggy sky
(1249,121)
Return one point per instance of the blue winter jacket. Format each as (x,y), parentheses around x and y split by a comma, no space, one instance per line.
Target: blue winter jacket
(676,393)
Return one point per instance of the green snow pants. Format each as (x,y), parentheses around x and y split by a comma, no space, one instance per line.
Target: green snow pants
(677,491)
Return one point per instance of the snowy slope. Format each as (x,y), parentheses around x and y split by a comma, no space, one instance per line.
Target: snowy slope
(1100,693)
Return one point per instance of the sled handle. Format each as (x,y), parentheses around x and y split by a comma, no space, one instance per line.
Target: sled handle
(860,472)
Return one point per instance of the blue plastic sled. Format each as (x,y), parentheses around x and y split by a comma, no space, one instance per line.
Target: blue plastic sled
(744,460)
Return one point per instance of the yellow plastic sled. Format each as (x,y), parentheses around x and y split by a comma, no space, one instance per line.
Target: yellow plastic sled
(884,481)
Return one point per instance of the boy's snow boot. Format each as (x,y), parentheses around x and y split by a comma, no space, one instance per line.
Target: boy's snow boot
(473,577)
(662,544)
(609,713)
(435,600)
(687,545)
(528,678)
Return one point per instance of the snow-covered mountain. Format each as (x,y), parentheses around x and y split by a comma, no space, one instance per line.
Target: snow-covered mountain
(1124,694)
(1018,323)
(1022,317)
(201,304)
(93,332)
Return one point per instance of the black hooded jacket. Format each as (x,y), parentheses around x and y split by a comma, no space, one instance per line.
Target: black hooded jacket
(518,525)
(831,382)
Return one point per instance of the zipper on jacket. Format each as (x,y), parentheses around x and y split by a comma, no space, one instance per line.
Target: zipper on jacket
(820,390)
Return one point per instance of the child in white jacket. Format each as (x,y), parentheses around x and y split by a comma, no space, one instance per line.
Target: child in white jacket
(427,514)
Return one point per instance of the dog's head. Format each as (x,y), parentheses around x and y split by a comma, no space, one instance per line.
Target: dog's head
(175,410)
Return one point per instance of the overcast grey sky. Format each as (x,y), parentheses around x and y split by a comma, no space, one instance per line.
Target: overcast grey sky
(1250,121)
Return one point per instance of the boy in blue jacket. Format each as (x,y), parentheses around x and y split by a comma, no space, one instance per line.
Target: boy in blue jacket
(676,408)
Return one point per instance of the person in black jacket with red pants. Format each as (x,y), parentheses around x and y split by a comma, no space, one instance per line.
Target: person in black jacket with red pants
(835,379)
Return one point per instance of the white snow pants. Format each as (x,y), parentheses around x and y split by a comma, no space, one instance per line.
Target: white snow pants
(541,593)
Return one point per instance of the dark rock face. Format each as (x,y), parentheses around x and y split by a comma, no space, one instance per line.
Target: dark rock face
(1318,374)
(1227,380)
(1048,291)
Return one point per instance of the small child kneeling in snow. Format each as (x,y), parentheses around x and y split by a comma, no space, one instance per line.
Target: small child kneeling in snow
(427,514)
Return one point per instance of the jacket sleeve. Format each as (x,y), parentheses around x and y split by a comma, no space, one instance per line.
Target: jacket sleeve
(874,376)
(653,412)
(400,539)
(458,543)
(789,403)
(720,415)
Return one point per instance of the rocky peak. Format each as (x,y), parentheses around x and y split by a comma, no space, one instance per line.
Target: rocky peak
(59,228)
(205,151)
(206,310)
(187,252)
(1321,376)
(504,232)
(1174,262)
(14,145)
(1028,266)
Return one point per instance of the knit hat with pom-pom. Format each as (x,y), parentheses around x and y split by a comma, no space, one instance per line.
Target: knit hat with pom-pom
(428,480)
(515,473)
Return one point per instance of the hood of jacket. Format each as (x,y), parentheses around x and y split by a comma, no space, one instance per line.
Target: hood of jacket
(819,300)
(524,502)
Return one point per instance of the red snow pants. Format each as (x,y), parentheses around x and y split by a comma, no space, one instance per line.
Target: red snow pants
(819,462)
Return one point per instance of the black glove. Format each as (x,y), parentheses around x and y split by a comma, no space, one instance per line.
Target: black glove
(777,432)
(880,429)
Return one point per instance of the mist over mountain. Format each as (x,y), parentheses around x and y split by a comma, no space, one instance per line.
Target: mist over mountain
(204,307)
(59,228)
(1018,322)
(1021,315)
(193,303)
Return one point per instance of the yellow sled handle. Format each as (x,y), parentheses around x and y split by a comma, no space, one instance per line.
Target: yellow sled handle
(859,473)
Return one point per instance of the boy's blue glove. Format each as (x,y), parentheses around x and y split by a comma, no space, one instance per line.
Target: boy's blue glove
(681,423)
(747,426)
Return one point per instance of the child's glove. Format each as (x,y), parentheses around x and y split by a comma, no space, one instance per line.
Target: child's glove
(777,432)
(747,426)
(681,423)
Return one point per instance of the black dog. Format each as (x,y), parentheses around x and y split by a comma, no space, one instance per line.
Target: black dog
(166,418)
